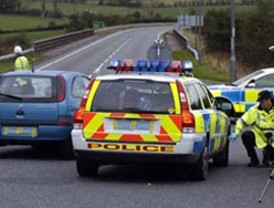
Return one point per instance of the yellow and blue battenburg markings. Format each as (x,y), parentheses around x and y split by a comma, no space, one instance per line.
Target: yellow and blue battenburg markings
(242,99)
(215,124)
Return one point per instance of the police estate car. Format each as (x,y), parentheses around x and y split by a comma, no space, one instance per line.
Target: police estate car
(243,93)
(144,117)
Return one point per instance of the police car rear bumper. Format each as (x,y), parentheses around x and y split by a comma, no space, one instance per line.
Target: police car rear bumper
(187,151)
(102,158)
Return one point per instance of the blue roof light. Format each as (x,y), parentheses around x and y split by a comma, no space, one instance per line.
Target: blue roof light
(174,66)
(164,65)
(141,66)
(154,64)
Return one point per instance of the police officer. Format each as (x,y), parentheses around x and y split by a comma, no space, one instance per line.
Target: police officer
(261,135)
(21,62)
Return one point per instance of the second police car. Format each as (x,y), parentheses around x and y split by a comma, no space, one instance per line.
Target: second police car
(149,117)
(243,93)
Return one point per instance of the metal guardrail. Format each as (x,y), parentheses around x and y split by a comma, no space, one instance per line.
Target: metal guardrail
(12,55)
(184,40)
(49,43)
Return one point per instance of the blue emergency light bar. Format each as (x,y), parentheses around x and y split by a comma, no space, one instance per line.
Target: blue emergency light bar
(173,66)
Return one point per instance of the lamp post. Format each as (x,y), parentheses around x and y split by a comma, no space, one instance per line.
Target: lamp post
(233,69)
(198,28)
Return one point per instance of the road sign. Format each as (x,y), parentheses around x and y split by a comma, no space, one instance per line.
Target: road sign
(188,21)
(98,24)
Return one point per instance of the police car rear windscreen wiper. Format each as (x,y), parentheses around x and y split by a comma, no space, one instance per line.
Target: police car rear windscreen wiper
(11,96)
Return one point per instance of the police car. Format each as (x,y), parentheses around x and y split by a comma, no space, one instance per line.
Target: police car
(146,113)
(243,93)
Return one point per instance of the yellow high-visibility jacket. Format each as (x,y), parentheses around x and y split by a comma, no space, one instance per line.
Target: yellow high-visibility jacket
(21,63)
(261,122)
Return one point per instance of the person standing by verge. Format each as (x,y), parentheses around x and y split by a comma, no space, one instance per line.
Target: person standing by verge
(21,62)
(261,118)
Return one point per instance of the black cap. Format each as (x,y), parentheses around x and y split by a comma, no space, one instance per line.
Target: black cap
(264,95)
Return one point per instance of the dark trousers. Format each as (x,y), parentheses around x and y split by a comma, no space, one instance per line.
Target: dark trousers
(248,139)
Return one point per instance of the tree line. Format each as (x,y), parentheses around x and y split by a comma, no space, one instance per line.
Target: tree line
(254,34)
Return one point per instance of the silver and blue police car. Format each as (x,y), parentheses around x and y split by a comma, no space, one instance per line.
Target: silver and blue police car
(243,93)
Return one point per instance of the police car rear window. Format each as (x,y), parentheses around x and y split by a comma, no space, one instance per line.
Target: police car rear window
(133,96)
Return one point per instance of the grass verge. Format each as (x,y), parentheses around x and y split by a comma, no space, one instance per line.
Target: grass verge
(204,70)
(6,66)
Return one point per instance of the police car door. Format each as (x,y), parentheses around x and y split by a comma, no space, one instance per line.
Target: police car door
(215,122)
(253,88)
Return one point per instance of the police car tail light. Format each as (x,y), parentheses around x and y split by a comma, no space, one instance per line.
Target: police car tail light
(79,113)
(78,117)
(86,93)
(188,122)
(183,98)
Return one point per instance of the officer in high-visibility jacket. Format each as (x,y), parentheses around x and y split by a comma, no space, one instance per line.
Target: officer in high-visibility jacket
(261,118)
(21,62)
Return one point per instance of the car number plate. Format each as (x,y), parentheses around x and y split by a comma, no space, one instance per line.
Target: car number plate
(19,131)
(133,125)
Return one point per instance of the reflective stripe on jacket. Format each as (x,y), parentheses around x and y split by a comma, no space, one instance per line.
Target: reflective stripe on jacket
(262,123)
(21,63)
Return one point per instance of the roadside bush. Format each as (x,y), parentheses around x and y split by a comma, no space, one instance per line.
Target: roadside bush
(254,34)
(7,45)
(217,31)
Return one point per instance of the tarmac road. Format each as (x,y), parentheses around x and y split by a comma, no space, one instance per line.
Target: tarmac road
(37,178)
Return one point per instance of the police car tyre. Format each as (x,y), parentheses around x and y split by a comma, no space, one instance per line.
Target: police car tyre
(221,159)
(67,150)
(86,168)
(200,169)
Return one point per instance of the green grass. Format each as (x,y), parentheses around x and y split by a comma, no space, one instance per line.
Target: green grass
(34,36)
(10,22)
(172,12)
(6,66)
(204,71)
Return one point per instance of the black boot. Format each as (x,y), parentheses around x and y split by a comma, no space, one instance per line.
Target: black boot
(266,157)
(254,162)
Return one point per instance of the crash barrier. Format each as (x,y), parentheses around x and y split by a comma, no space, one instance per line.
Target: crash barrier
(46,44)
(185,42)
(50,43)
(12,55)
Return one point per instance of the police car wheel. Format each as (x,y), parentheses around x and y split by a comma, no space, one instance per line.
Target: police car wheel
(67,150)
(86,168)
(221,159)
(200,169)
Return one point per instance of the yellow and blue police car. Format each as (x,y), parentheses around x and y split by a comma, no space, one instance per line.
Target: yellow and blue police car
(139,115)
(243,93)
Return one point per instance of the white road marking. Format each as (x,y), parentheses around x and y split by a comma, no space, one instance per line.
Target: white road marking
(77,51)
(97,70)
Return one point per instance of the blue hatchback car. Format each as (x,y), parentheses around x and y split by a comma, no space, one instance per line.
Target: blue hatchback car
(37,108)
